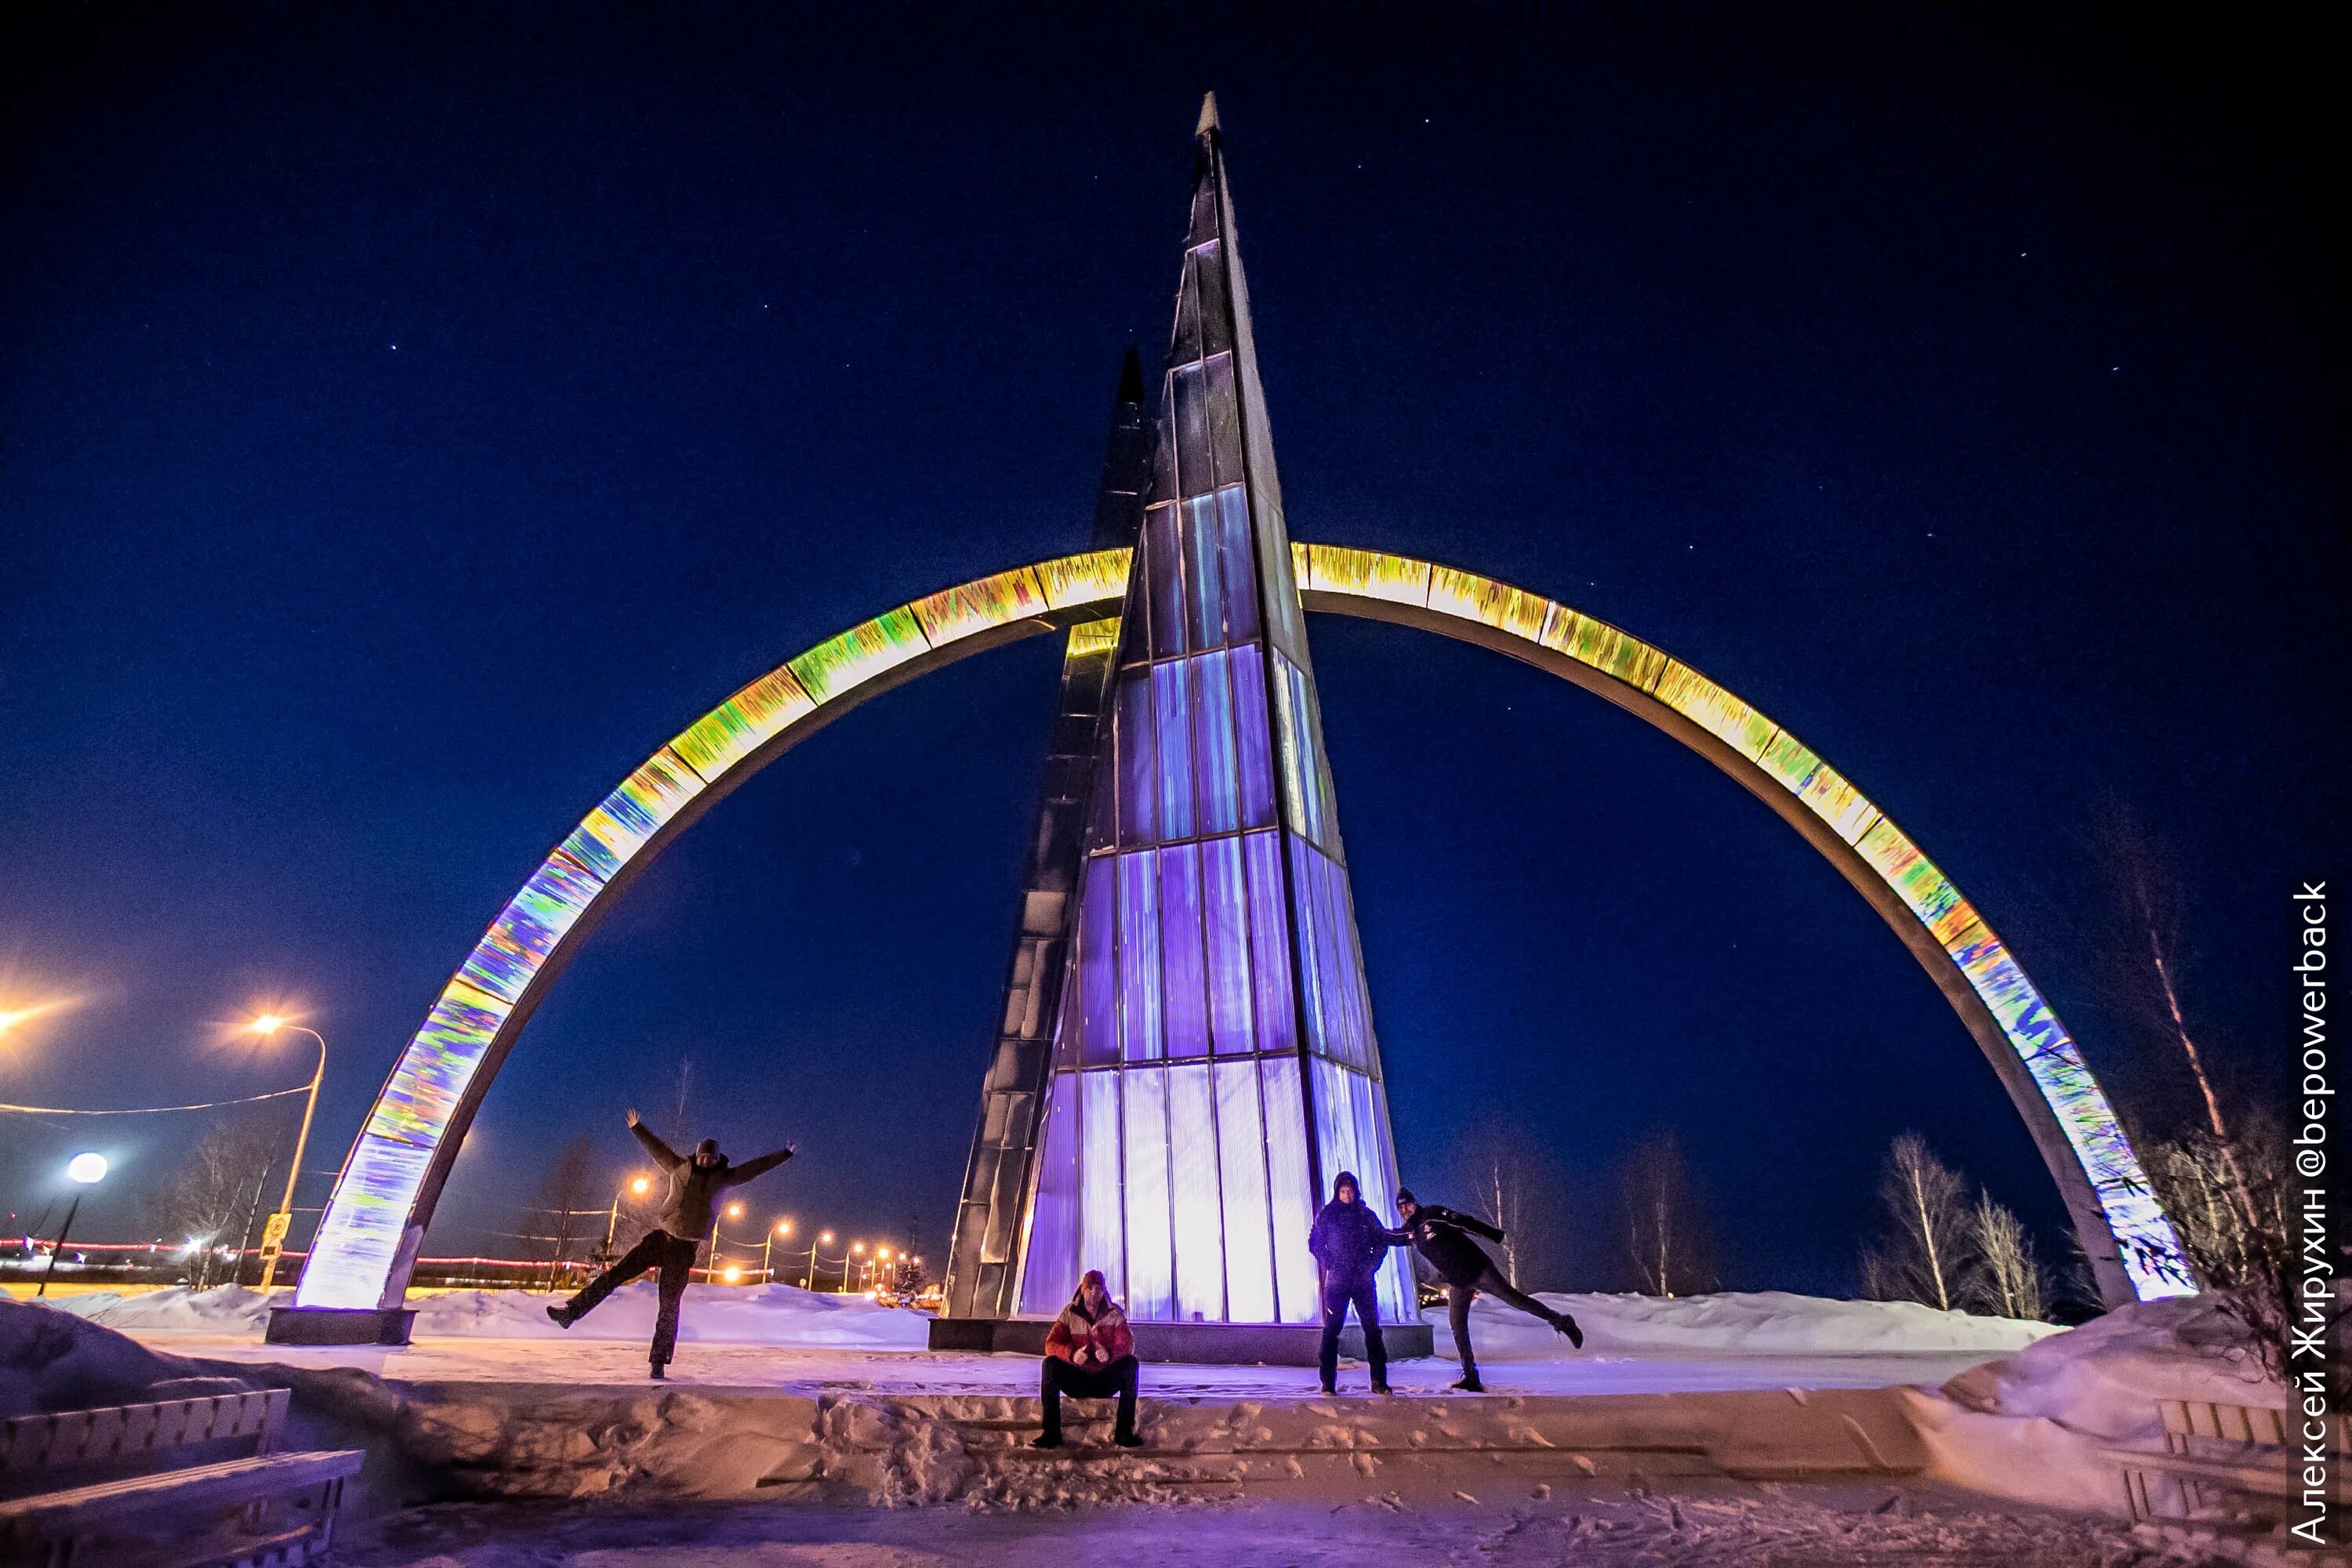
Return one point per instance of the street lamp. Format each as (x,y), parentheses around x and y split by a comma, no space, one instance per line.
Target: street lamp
(857,1251)
(273,1234)
(823,1239)
(87,1171)
(638,1187)
(781,1228)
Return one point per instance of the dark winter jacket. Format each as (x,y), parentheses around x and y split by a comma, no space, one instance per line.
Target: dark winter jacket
(1439,1235)
(1349,1240)
(694,1189)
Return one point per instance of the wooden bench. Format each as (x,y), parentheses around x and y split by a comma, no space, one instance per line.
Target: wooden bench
(2215,1456)
(173,1484)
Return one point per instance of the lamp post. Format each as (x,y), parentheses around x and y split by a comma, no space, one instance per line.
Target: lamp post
(733,1211)
(638,1187)
(87,1171)
(857,1251)
(273,1234)
(781,1228)
(823,1239)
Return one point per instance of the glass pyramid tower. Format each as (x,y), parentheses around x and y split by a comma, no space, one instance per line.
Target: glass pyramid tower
(1213,1064)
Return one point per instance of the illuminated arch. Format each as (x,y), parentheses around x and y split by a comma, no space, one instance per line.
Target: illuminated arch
(369,1236)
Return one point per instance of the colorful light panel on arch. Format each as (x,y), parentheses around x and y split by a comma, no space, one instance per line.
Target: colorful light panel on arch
(2151,1250)
(360,1235)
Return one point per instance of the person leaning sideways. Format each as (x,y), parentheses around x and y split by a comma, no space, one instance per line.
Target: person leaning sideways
(1089,1354)
(1443,1236)
(1348,1241)
(694,1183)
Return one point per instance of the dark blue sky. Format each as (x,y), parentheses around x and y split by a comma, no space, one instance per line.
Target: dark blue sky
(406,425)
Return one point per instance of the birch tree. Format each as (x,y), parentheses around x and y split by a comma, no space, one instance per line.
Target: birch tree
(1927,1249)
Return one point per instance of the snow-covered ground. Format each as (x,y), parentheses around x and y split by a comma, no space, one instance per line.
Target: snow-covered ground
(826,1402)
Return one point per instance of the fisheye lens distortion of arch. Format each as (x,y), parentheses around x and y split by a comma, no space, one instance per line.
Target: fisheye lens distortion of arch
(373,1225)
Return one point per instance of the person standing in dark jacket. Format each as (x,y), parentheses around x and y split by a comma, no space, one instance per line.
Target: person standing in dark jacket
(1349,1242)
(687,1212)
(1443,1236)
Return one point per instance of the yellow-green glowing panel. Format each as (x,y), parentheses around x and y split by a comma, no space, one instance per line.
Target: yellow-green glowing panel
(1088,579)
(1713,710)
(1367,574)
(972,607)
(743,724)
(1493,603)
(860,654)
(1912,875)
(1832,796)
(1603,647)
(1089,638)
(631,814)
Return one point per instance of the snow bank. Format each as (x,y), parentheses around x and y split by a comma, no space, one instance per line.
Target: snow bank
(53,1360)
(1764,1322)
(2030,1428)
(758,1315)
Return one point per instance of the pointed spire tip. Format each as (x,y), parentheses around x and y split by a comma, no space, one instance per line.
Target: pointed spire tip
(1208,116)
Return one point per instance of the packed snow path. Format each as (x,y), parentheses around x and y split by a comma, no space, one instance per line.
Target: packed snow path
(1703,1524)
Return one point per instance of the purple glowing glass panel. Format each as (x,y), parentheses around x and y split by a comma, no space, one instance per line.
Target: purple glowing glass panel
(1225,908)
(1139,779)
(1099,1220)
(1139,957)
(528,928)
(1203,589)
(1270,947)
(1150,1251)
(1312,973)
(1049,1271)
(1239,576)
(1184,1006)
(1291,1188)
(1255,757)
(1241,1169)
(1212,743)
(360,1235)
(1194,473)
(1097,1015)
(1224,421)
(1194,1200)
(1171,710)
(1164,582)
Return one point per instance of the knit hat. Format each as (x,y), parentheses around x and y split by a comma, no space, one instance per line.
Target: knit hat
(1404,1195)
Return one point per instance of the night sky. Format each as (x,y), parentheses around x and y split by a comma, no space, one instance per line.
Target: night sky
(409,420)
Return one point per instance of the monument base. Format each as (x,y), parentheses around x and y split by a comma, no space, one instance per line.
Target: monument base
(338,1325)
(1201,1344)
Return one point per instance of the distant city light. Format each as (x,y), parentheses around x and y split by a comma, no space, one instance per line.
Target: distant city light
(731,1274)
(87,1169)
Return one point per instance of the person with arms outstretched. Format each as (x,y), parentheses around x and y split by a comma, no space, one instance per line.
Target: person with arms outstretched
(1349,1242)
(1443,1236)
(695,1181)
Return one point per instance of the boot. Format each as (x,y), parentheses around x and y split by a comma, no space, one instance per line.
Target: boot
(1127,1440)
(1567,1325)
(1469,1384)
(560,1316)
(657,1374)
(1046,1440)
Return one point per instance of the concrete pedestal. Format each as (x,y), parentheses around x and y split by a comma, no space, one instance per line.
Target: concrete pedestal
(338,1326)
(1210,1344)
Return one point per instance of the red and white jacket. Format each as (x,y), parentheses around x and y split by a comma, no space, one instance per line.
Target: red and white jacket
(1090,1344)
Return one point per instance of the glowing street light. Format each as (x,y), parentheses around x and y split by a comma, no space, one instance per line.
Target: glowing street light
(86,1171)
(638,1186)
(767,1249)
(273,1234)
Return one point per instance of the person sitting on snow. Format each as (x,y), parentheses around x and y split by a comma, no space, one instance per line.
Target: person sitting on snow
(1349,1242)
(1442,1237)
(694,1183)
(1089,1354)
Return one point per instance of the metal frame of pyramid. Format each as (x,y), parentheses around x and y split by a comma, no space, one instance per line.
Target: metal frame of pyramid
(1186,1053)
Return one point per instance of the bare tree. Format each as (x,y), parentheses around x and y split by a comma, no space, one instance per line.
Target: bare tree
(209,1195)
(1666,1235)
(563,1213)
(2243,1253)
(2007,1279)
(1507,1204)
(1927,1248)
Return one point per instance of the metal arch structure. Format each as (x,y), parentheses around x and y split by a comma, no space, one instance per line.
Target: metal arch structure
(383,1199)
